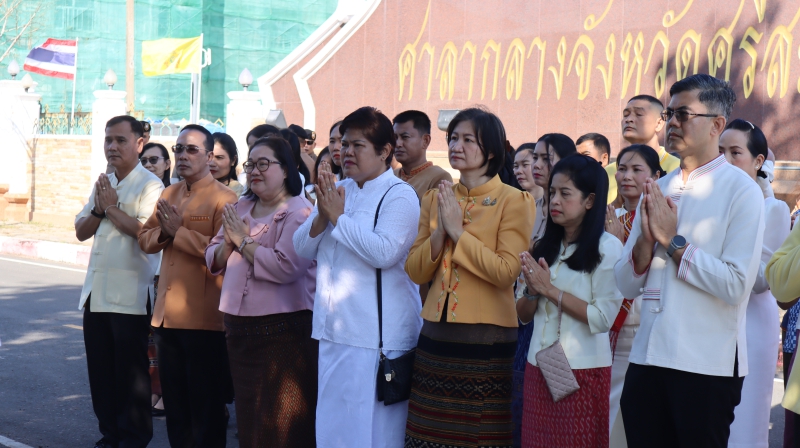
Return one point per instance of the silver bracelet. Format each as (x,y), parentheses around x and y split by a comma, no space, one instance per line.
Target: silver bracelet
(106,210)
(530,297)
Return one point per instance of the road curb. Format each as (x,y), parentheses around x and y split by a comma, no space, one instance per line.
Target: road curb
(46,250)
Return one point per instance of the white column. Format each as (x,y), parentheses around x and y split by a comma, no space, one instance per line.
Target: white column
(243,113)
(107,105)
(18,119)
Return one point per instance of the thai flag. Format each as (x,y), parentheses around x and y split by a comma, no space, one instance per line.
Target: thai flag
(56,58)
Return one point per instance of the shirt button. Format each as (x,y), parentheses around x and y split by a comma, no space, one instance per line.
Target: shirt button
(172,263)
(641,289)
(169,288)
(245,291)
(466,221)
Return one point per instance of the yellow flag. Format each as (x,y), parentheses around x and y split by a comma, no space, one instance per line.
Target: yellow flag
(166,56)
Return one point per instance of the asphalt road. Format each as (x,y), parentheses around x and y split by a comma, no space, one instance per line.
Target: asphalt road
(44,388)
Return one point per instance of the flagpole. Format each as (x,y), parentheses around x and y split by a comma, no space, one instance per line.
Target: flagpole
(74,81)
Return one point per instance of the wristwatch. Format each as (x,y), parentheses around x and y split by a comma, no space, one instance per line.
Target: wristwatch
(247,240)
(97,215)
(678,242)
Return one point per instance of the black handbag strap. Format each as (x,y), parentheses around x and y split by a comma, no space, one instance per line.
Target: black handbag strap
(378,276)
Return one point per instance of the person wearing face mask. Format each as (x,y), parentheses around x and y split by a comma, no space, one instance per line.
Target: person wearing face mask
(470,235)
(635,164)
(571,268)
(412,130)
(695,270)
(192,357)
(267,297)
(549,149)
(641,123)
(350,245)
(223,164)
(116,297)
(745,147)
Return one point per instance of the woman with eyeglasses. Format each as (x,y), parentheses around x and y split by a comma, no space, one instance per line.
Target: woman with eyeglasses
(267,297)
(226,159)
(155,158)
(745,146)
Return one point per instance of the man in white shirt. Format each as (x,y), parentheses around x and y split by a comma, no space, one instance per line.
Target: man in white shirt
(115,295)
(693,255)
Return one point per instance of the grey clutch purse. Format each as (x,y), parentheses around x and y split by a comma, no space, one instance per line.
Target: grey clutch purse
(554,365)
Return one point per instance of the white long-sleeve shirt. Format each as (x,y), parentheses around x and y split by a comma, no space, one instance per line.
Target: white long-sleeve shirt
(345,302)
(692,316)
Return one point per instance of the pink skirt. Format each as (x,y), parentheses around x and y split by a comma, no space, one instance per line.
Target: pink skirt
(580,420)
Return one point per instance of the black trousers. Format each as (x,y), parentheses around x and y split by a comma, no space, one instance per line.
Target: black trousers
(195,378)
(116,357)
(675,409)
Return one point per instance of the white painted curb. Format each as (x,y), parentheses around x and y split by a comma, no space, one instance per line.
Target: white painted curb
(46,250)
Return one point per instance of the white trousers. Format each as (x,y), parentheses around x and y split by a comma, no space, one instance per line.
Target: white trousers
(348,412)
(618,370)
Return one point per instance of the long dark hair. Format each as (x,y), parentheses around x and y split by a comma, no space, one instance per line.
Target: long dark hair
(325,151)
(294,145)
(165,154)
(756,140)
(227,143)
(283,154)
(589,178)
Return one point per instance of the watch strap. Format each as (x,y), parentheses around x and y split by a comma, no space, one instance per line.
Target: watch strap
(97,215)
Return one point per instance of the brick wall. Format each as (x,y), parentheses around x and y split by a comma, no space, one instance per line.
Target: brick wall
(61,177)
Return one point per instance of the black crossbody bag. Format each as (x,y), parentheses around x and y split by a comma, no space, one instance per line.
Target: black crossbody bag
(394,375)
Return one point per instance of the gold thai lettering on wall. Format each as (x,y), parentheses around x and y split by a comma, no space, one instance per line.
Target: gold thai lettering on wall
(690,48)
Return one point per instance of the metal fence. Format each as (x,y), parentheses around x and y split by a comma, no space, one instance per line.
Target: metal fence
(63,123)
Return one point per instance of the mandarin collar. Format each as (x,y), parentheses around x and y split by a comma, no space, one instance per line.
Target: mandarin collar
(374,184)
(480,190)
(202,183)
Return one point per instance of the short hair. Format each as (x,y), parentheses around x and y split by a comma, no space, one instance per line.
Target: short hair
(489,133)
(598,140)
(716,94)
(421,121)
(136,125)
(376,127)
(648,154)
(164,153)
(756,140)
(562,145)
(589,177)
(261,131)
(209,142)
(227,143)
(299,131)
(649,98)
(283,154)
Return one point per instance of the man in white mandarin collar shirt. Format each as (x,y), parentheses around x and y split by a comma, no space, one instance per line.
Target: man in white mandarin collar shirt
(692,255)
(115,295)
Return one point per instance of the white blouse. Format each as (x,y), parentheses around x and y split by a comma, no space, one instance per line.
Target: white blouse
(693,312)
(345,303)
(586,346)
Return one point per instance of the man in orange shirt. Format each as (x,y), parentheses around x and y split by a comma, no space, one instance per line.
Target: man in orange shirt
(192,356)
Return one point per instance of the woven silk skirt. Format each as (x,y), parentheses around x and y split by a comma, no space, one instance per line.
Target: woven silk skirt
(580,420)
(461,387)
(274,367)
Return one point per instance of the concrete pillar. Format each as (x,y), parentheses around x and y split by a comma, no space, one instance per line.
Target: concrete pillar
(107,105)
(18,120)
(243,113)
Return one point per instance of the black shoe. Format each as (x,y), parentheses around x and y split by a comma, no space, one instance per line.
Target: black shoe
(103,443)
(158,412)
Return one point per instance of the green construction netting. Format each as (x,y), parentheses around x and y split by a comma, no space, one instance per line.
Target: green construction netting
(241,34)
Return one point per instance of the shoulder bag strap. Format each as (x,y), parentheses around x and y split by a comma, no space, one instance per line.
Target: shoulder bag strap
(378,278)
(560,296)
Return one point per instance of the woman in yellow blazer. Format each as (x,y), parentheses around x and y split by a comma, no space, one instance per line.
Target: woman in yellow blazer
(468,246)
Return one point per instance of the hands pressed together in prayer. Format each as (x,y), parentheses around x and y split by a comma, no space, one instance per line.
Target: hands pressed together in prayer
(330,200)
(537,276)
(168,217)
(105,195)
(659,215)
(450,221)
(613,225)
(235,228)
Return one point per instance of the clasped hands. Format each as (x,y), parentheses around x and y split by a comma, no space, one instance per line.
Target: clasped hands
(330,199)
(168,217)
(537,277)
(234,228)
(105,195)
(659,216)
(451,217)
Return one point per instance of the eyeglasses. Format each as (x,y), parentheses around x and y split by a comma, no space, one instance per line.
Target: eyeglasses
(681,115)
(152,160)
(261,164)
(190,149)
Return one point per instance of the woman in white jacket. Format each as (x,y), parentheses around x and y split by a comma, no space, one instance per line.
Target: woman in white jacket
(745,147)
